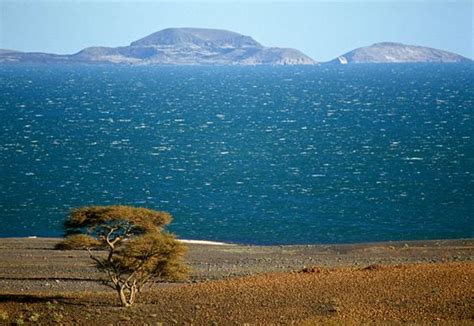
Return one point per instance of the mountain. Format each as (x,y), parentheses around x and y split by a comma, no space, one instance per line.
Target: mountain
(197,36)
(389,52)
(177,46)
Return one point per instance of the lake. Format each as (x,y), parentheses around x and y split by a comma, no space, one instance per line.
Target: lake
(255,155)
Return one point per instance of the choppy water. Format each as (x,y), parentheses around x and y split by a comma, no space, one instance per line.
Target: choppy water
(244,154)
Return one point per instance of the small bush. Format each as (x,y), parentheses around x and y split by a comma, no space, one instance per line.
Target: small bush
(58,317)
(19,320)
(34,317)
(3,315)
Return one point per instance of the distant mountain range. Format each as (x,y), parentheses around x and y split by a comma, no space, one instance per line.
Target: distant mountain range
(199,46)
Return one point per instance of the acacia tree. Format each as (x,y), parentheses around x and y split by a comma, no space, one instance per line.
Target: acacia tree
(137,249)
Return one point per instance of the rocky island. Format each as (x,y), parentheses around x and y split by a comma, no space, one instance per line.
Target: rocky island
(390,52)
(176,46)
(202,46)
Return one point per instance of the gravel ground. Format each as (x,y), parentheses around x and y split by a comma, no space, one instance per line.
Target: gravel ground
(32,265)
(427,282)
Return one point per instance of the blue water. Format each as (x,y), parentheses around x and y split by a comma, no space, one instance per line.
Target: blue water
(261,155)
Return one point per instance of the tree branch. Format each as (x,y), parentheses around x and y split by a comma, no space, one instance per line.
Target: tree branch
(109,242)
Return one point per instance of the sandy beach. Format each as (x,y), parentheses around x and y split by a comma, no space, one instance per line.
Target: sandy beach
(413,281)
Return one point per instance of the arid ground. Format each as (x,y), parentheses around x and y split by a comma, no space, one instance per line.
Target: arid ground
(425,282)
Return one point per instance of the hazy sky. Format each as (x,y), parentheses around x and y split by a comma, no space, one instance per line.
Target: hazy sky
(321,29)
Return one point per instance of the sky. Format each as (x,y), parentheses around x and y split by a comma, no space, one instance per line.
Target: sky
(321,29)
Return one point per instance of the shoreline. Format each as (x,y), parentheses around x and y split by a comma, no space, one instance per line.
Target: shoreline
(221,243)
(73,270)
(213,260)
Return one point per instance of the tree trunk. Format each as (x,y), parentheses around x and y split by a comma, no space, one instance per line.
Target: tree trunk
(133,292)
(127,294)
(122,295)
